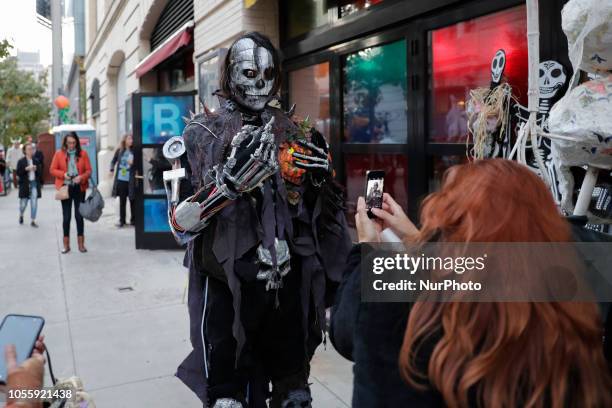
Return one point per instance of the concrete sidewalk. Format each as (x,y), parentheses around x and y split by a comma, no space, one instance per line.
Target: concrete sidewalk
(116,316)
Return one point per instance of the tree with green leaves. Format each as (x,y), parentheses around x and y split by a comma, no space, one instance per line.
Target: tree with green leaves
(24,107)
(5,46)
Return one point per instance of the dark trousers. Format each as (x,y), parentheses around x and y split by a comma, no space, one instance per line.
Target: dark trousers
(76,196)
(274,349)
(123,191)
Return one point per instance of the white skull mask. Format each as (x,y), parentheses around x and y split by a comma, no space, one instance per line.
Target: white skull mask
(552,78)
(251,74)
(497,66)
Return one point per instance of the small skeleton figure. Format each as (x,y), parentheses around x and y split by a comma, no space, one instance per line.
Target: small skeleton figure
(498,65)
(266,234)
(552,79)
(488,112)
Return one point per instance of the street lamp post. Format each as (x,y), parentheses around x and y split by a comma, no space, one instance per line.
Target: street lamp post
(58,64)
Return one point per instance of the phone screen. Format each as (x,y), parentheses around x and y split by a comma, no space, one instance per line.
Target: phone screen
(374,190)
(22,331)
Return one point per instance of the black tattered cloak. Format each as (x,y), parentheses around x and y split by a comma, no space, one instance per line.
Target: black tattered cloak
(321,243)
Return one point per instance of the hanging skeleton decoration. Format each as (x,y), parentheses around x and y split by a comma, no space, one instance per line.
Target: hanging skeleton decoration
(498,64)
(552,80)
(488,111)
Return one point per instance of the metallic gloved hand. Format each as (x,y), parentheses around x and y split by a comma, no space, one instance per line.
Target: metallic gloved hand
(318,162)
(252,158)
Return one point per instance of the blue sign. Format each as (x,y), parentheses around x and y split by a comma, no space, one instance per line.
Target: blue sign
(155,215)
(162,117)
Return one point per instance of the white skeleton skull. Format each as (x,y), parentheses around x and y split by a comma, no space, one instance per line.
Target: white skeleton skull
(552,79)
(497,66)
(252,74)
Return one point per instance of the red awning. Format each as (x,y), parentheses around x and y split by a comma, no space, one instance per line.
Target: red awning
(179,39)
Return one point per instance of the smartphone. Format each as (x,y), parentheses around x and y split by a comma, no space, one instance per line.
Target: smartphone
(22,331)
(375,181)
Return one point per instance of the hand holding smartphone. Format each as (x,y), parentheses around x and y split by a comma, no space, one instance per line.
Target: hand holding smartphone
(375,180)
(21,331)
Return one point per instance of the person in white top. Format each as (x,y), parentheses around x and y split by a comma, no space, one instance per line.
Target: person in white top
(13,155)
(29,172)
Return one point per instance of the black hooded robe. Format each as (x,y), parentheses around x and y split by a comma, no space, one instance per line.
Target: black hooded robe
(320,247)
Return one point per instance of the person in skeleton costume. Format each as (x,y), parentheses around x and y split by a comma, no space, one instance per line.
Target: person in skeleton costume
(267,239)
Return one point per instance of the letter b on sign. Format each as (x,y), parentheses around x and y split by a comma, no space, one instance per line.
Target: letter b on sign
(167,119)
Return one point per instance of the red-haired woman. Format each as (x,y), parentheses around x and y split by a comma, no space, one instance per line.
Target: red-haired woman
(461,354)
(71,167)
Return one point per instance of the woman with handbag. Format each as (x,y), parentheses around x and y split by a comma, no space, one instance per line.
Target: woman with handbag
(71,168)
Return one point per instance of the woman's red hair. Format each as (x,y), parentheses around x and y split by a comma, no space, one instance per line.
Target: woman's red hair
(530,354)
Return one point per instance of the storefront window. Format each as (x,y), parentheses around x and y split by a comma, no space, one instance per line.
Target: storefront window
(439,165)
(460,60)
(209,80)
(305,15)
(350,7)
(177,73)
(309,91)
(375,95)
(395,167)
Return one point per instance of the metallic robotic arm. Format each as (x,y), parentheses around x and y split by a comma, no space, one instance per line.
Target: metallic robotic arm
(252,160)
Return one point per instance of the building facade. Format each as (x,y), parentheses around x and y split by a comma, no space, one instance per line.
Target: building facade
(386,81)
(127,52)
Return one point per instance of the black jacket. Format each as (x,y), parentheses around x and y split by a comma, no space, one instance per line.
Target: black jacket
(371,335)
(38,155)
(317,243)
(24,181)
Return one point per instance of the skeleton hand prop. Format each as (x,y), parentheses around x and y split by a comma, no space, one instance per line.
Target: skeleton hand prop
(318,162)
(252,158)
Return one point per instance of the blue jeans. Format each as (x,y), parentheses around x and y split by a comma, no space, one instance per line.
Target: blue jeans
(23,202)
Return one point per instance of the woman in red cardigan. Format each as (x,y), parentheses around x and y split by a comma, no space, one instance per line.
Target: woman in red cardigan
(71,167)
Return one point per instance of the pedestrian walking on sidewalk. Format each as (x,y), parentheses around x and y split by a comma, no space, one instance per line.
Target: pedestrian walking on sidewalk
(13,155)
(3,172)
(124,170)
(71,168)
(29,173)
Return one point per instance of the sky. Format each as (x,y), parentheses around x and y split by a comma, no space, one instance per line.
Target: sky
(18,24)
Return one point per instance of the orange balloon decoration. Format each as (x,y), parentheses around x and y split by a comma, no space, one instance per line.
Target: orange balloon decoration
(61,102)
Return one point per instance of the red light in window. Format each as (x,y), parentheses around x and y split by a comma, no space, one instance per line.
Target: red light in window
(462,52)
